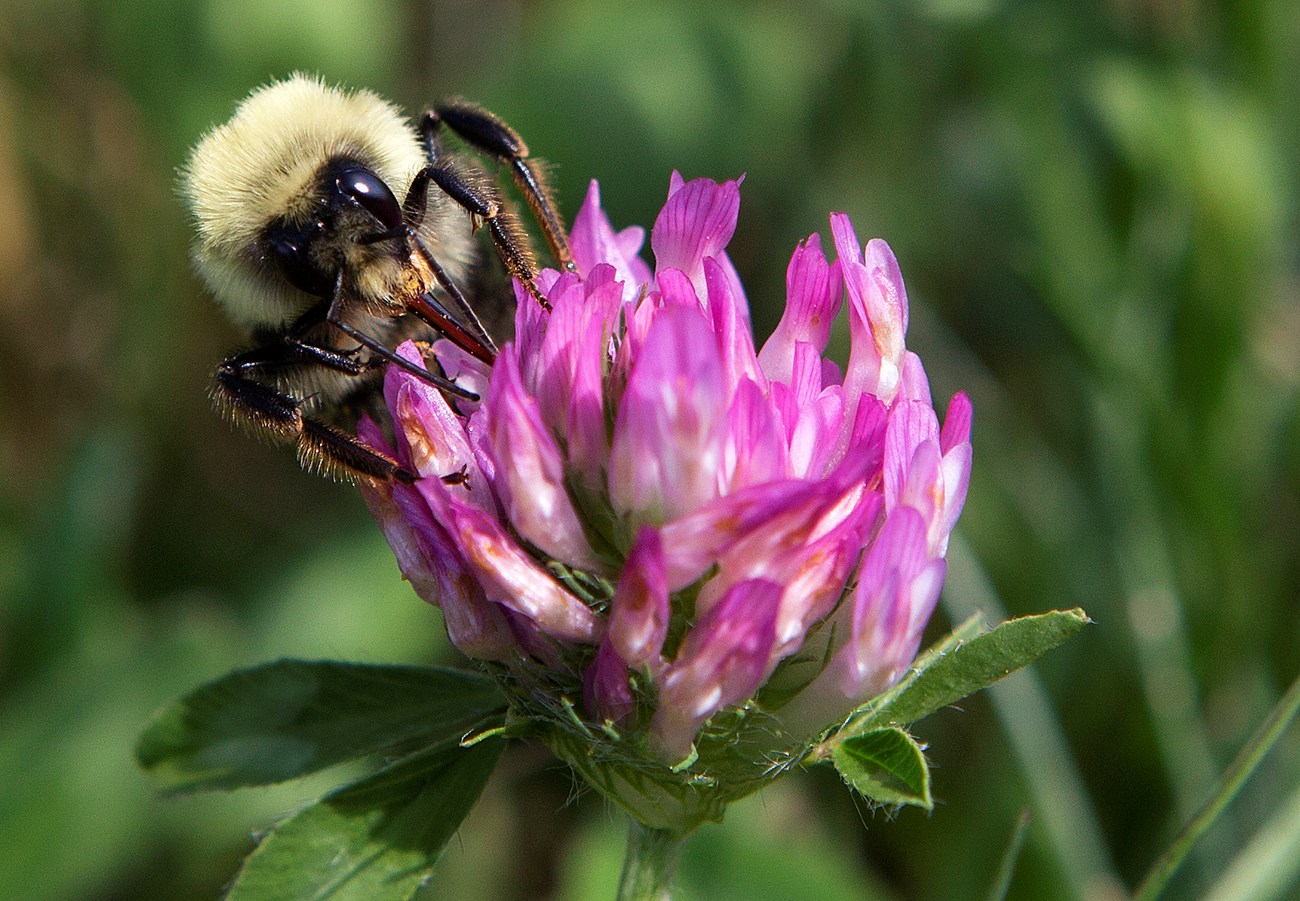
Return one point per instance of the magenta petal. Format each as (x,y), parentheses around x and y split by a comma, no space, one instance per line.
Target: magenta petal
(877,313)
(957,422)
(577,334)
(606,689)
(956,477)
(911,424)
(694,542)
(466,371)
(639,610)
(818,573)
(475,625)
(889,296)
(723,660)
(571,366)
(530,326)
(666,457)
(509,576)
(813,442)
(913,383)
(594,242)
(372,436)
(585,420)
(755,449)
(432,435)
(861,442)
(731,328)
(898,586)
(676,290)
(863,375)
(530,468)
(790,542)
(923,488)
(428,561)
(697,222)
(814,293)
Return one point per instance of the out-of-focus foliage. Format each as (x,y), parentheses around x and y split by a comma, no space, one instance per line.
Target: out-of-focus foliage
(1095,209)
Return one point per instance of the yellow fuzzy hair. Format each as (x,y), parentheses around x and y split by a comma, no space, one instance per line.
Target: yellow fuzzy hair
(260,165)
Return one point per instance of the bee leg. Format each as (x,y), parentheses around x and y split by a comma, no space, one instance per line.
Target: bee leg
(484,205)
(487,133)
(380,351)
(268,411)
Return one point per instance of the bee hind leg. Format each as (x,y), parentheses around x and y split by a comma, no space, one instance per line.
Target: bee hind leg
(269,412)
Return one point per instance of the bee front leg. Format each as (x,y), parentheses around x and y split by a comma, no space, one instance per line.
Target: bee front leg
(489,134)
(479,198)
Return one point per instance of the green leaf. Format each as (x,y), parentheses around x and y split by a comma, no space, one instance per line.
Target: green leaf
(374,840)
(886,766)
(291,717)
(958,668)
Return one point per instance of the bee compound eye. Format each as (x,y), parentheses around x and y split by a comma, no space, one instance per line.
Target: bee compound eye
(369,190)
(289,247)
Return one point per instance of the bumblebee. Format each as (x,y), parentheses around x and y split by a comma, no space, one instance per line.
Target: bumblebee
(302,239)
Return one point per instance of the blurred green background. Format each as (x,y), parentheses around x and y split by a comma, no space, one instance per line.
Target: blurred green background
(1095,209)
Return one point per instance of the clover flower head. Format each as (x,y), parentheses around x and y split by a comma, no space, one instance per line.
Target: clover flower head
(650,524)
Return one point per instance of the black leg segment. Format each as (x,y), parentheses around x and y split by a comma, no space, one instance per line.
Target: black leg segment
(321,447)
(489,134)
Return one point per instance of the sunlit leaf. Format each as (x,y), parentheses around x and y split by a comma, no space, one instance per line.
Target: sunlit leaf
(960,668)
(374,840)
(292,717)
(886,766)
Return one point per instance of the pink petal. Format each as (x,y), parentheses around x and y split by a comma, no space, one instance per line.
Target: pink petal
(666,456)
(923,488)
(530,469)
(889,296)
(606,690)
(639,610)
(573,356)
(723,661)
(755,448)
(877,313)
(476,626)
(508,575)
(694,542)
(913,383)
(898,587)
(816,430)
(957,423)
(956,479)
(731,327)
(911,423)
(530,327)
(431,436)
(697,222)
(818,572)
(809,549)
(594,242)
(814,293)
(429,561)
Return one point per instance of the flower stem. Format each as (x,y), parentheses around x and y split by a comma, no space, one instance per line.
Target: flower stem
(649,864)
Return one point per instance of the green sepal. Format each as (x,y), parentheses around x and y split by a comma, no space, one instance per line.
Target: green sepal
(963,663)
(886,766)
(376,839)
(288,718)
